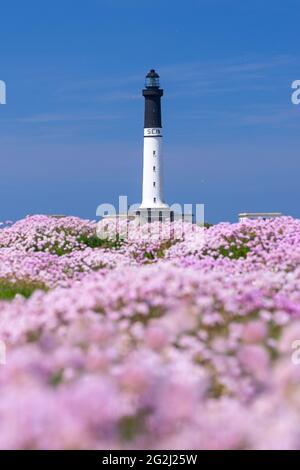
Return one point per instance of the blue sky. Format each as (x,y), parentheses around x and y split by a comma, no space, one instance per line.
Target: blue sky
(71,131)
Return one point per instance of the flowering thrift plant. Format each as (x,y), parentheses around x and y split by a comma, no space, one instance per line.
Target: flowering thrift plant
(179,341)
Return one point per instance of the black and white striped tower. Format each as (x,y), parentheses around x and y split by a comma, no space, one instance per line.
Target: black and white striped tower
(153,198)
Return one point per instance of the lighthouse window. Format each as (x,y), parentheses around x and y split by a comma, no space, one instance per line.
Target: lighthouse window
(154,168)
(154,199)
(154,152)
(154,184)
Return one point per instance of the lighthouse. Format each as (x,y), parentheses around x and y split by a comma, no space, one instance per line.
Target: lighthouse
(153,207)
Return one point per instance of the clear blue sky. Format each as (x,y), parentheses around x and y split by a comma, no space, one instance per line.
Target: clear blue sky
(71,131)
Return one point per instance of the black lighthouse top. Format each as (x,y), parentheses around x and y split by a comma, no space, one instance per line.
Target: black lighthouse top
(152,94)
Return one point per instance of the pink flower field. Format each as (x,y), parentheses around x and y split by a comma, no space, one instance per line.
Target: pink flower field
(178,338)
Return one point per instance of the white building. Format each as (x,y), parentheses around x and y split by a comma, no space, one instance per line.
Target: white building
(153,207)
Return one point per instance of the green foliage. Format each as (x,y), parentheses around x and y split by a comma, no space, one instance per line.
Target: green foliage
(57,378)
(132,426)
(160,251)
(235,251)
(93,241)
(237,245)
(9,289)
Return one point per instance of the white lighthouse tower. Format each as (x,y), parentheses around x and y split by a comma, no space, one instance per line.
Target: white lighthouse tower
(153,207)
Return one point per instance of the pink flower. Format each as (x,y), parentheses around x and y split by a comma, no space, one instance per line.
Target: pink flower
(254,331)
(255,360)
